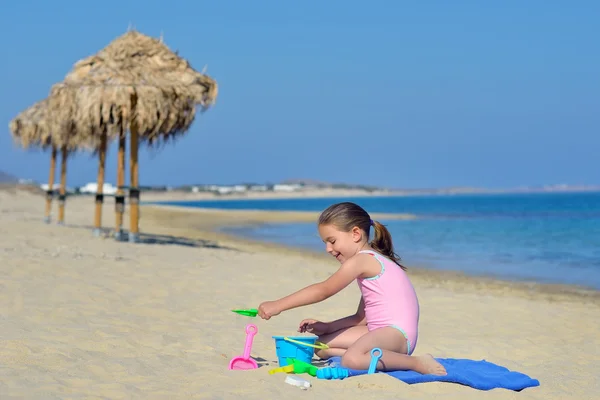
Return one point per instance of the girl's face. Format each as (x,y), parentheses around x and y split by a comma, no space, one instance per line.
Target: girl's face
(342,245)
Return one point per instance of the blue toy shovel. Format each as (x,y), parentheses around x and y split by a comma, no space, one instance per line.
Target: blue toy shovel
(374,359)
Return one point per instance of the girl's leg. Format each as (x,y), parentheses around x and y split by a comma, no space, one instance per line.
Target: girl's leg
(393,346)
(340,341)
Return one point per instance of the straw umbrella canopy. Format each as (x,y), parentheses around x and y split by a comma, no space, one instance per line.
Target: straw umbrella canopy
(134,84)
(31,128)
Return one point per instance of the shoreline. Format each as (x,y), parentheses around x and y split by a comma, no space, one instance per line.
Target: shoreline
(431,277)
(270,216)
(312,193)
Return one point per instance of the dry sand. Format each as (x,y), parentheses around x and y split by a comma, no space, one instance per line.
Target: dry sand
(90,318)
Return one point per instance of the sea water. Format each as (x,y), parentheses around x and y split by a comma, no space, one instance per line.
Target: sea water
(541,237)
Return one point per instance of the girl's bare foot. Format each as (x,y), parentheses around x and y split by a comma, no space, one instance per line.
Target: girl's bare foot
(428,365)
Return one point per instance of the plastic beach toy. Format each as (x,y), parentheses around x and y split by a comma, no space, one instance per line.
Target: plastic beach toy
(375,356)
(298,347)
(244,361)
(288,369)
(296,367)
(333,373)
(300,367)
(317,345)
(251,312)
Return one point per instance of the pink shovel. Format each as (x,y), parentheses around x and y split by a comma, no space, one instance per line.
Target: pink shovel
(245,362)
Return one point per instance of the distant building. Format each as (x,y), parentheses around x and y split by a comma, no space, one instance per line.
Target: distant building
(286,188)
(56,187)
(229,189)
(92,188)
(258,188)
(245,188)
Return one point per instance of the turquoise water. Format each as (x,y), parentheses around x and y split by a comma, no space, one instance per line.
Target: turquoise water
(553,238)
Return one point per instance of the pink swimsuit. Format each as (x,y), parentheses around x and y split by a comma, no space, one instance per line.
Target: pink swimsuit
(390,300)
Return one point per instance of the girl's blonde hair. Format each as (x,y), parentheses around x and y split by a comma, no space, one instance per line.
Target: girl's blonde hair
(347,215)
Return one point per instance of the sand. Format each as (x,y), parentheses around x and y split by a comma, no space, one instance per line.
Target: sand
(90,318)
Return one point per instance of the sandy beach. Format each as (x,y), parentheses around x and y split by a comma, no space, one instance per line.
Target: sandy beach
(91,318)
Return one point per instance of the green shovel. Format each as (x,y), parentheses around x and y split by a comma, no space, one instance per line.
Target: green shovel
(251,312)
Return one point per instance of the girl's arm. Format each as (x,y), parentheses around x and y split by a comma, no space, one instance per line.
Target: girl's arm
(349,321)
(315,293)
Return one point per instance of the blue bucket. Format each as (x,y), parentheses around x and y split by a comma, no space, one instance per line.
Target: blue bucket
(285,349)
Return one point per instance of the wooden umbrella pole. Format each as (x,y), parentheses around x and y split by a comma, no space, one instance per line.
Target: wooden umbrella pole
(100,186)
(50,191)
(134,191)
(120,196)
(62,197)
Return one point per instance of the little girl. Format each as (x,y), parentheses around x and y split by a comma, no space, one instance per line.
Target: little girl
(388,312)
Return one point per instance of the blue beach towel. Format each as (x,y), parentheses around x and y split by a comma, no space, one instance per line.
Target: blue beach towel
(480,375)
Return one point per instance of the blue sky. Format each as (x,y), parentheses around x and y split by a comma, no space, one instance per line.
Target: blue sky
(393,93)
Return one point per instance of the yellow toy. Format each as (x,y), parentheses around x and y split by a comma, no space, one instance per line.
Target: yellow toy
(296,367)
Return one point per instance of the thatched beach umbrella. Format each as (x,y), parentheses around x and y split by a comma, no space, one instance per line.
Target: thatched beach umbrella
(31,128)
(135,84)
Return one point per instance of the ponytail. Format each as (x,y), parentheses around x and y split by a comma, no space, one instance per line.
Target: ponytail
(345,216)
(382,243)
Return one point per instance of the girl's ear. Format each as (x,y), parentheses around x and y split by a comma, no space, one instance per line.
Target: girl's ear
(356,234)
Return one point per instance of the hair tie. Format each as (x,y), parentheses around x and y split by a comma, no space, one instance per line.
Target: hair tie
(372,223)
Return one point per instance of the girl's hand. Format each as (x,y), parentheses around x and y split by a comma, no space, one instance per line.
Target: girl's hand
(268,309)
(313,326)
